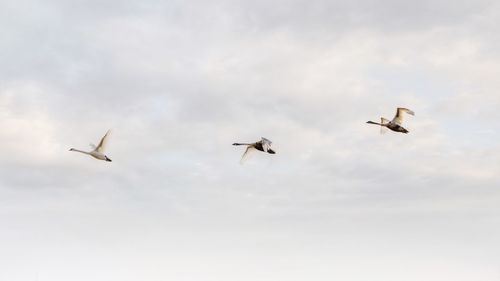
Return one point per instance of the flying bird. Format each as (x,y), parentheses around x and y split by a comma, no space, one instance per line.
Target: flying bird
(98,152)
(263,145)
(396,123)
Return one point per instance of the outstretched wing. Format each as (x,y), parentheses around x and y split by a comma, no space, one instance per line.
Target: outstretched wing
(102,144)
(245,155)
(383,129)
(266,144)
(398,119)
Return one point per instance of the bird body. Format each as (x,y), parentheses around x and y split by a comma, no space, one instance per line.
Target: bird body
(396,123)
(98,152)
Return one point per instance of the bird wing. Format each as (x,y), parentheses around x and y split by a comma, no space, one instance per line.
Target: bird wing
(383,129)
(398,119)
(266,144)
(92,146)
(102,144)
(245,155)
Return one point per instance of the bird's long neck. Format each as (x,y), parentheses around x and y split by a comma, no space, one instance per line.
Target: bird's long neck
(237,143)
(380,124)
(81,151)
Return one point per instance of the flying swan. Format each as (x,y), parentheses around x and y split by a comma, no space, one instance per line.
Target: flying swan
(396,123)
(98,152)
(263,145)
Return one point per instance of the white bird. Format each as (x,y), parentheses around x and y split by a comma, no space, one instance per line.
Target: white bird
(98,151)
(263,145)
(396,123)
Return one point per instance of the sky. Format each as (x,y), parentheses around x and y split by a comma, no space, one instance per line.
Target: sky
(178,82)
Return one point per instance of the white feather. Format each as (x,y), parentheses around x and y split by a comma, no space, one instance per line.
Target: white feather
(266,144)
(398,119)
(102,144)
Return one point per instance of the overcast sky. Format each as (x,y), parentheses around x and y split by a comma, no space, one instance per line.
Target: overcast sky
(179,81)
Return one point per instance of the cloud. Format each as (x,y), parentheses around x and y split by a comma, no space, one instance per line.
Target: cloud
(178,82)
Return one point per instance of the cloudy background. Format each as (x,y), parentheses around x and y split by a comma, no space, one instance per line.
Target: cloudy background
(179,81)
